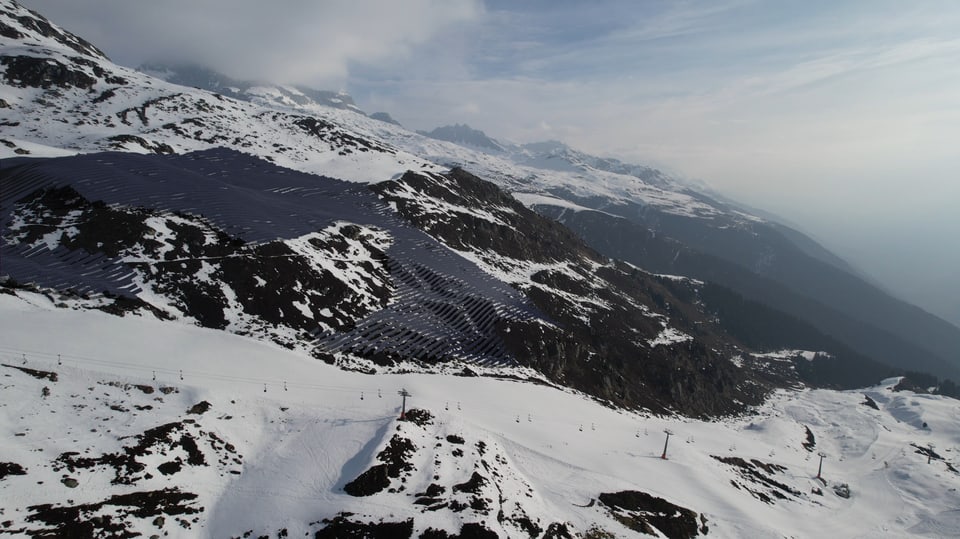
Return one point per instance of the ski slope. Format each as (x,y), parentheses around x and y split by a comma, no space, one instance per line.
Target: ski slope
(301,430)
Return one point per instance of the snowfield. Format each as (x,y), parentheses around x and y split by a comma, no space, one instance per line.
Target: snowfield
(284,435)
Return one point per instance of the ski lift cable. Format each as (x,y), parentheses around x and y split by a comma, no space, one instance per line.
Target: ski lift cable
(13,355)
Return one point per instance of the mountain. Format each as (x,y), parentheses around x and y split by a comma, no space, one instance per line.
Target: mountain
(385,117)
(210,303)
(464,135)
(206,79)
(63,96)
(231,242)
(761,259)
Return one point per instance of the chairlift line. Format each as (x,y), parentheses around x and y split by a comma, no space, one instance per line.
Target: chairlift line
(180,373)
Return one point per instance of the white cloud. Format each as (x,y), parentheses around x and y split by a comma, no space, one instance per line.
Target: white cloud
(305,41)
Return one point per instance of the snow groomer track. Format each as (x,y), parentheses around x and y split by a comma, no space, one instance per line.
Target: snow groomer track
(443,307)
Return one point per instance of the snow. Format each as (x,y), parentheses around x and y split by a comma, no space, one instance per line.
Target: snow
(678,278)
(519,273)
(785,355)
(437,205)
(668,336)
(34,149)
(349,268)
(300,446)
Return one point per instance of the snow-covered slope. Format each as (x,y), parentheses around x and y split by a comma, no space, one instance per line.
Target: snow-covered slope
(65,97)
(115,425)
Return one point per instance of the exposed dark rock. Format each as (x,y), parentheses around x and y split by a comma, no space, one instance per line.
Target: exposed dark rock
(395,462)
(88,520)
(419,416)
(11,468)
(341,527)
(557,530)
(370,482)
(200,408)
(472,485)
(38,374)
(810,442)
(346,142)
(39,72)
(433,490)
(524,523)
(476,530)
(34,22)
(105,95)
(128,468)
(169,468)
(395,455)
(906,384)
(760,474)
(470,530)
(870,402)
(159,148)
(454,439)
(9,31)
(640,511)
(931,454)
(433,533)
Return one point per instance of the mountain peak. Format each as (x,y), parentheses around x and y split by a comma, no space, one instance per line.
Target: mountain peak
(28,27)
(205,78)
(464,135)
(385,117)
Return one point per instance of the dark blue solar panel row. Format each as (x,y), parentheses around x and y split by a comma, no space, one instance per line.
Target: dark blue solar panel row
(444,306)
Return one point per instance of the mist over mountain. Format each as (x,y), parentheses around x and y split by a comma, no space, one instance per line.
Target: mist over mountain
(464,135)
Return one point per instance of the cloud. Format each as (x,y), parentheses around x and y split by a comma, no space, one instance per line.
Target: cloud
(300,41)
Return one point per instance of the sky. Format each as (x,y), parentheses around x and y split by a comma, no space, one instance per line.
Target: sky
(841,116)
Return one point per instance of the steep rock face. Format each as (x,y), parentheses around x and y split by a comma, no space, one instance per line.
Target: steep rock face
(33,28)
(613,330)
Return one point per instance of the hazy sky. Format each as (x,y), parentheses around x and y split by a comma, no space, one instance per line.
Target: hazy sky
(841,116)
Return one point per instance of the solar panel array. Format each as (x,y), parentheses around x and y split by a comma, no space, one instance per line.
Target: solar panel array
(443,307)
